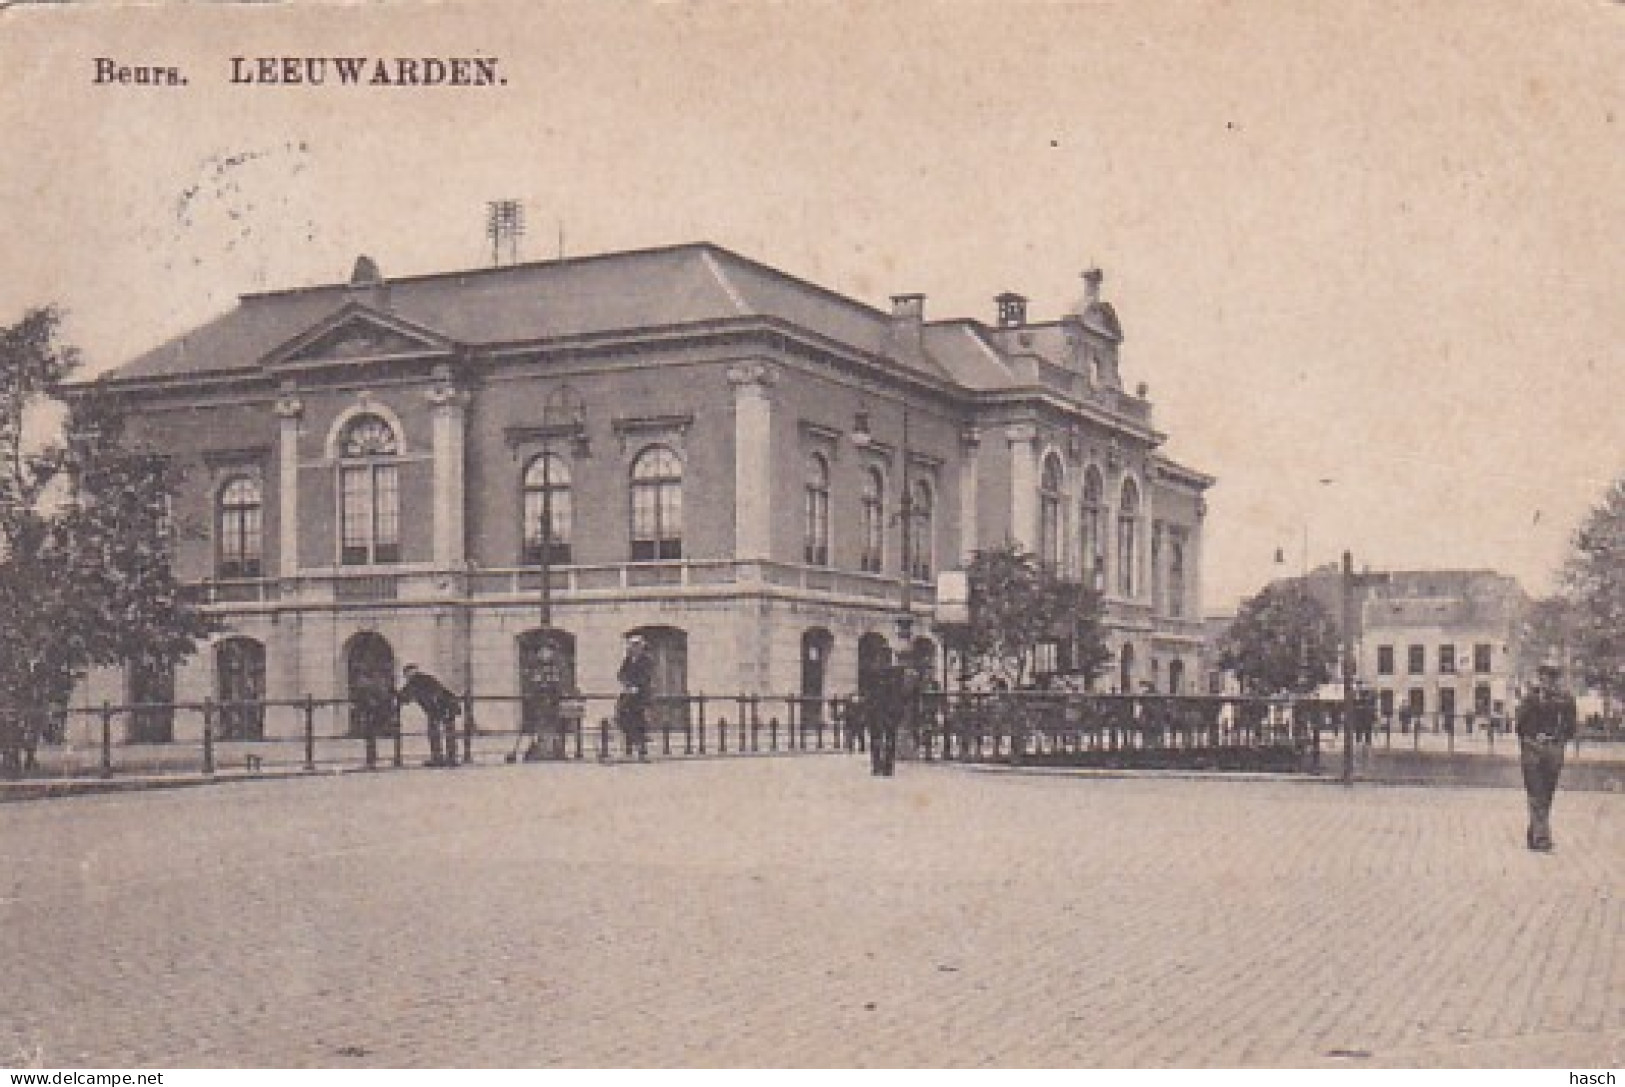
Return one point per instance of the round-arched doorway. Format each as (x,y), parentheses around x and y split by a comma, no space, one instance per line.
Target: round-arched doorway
(369,666)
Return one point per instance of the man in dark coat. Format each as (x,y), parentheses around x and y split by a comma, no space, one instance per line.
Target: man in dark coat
(636,677)
(440,706)
(1546,720)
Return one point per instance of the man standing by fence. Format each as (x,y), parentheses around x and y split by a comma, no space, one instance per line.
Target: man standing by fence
(1546,721)
(440,706)
(636,677)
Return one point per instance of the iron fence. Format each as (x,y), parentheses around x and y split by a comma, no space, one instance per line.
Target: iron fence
(310,734)
(1042,728)
(1127,731)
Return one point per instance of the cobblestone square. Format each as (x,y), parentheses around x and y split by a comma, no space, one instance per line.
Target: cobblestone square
(797,912)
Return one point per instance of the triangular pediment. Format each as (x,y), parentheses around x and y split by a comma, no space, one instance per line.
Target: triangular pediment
(359,332)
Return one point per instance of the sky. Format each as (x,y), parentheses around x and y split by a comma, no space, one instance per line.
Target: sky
(1367,256)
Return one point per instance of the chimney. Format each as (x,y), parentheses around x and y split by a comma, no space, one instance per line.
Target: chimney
(908,320)
(1012,309)
(1092,279)
(367,284)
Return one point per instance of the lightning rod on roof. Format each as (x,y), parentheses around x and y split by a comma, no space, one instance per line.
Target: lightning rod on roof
(504,223)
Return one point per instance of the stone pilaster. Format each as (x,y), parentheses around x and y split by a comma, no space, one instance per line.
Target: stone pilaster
(1023,439)
(970,448)
(448,405)
(290,410)
(753,460)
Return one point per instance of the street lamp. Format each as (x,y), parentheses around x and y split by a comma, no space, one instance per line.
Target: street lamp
(563,417)
(863,437)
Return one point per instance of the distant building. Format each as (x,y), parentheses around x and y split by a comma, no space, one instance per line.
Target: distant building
(1441,645)
(726,451)
(1435,646)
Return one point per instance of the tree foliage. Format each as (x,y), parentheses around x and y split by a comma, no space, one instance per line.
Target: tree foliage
(1283,639)
(85,536)
(1593,580)
(1015,604)
(1548,629)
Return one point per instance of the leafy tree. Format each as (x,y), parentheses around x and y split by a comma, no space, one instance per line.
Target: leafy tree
(1549,628)
(85,537)
(1593,580)
(1283,639)
(1015,604)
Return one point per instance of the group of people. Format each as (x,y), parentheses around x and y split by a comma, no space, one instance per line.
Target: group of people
(1546,722)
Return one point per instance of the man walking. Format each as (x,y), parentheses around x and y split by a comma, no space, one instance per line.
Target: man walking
(636,677)
(1546,720)
(440,706)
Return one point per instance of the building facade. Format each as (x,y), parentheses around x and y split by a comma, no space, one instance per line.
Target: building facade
(722,452)
(1441,646)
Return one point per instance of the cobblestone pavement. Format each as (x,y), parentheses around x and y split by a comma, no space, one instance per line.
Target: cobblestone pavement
(799,912)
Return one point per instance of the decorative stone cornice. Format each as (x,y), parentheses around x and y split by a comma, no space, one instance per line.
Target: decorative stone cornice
(752,375)
(1021,433)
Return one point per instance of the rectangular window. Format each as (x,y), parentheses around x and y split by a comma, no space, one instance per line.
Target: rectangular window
(370,518)
(386,514)
(559,552)
(1385,703)
(1447,660)
(1416,702)
(1447,702)
(356,502)
(1483,659)
(240,534)
(1385,661)
(1416,659)
(817,528)
(1481,700)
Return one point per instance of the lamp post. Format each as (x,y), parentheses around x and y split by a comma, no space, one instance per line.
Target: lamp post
(862,437)
(563,415)
(1348,668)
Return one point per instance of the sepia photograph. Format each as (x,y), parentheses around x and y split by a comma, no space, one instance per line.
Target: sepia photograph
(923,535)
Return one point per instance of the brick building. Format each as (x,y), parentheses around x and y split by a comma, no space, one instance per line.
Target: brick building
(723,450)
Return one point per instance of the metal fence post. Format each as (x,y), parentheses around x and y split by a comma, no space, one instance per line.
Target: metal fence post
(107,739)
(603,739)
(702,724)
(310,733)
(722,735)
(399,729)
(468,725)
(208,736)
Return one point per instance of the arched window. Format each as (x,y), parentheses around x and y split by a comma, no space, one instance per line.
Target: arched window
(815,530)
(657,505)
(922,539)
(369,493)
(1094,534)
(238,529)
(239,667)
(547,498)
(873,556)
(1049,515)
(1176,577)
(1128,549)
